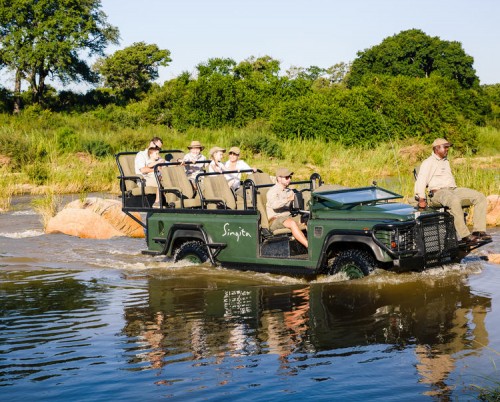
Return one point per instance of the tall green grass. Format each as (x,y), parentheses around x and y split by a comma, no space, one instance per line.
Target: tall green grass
(75,154)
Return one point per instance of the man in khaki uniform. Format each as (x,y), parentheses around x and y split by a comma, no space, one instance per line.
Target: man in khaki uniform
(278,199)
(435,174)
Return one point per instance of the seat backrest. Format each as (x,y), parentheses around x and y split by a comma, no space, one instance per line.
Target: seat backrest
(261,206)
(172,155)
(126,165)
(260,178)
(175,177)
(215,187)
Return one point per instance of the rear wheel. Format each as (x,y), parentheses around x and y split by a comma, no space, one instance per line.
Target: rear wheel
(354,263)
(191,251)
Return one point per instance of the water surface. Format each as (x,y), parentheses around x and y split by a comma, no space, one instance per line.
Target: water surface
(96,320)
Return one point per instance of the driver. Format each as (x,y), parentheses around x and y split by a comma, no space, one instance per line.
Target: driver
(277,206)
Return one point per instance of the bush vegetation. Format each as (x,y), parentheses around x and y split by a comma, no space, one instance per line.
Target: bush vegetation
(75,154)
(353,125)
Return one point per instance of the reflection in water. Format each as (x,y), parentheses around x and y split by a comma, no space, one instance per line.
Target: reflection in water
(439,318)
(41,308)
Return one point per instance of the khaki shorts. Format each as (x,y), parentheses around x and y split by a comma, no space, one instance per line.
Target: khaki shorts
(278,222)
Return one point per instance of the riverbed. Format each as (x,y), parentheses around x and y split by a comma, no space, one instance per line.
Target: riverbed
(95,320)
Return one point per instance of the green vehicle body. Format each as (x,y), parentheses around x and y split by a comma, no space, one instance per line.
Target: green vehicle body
(349,229)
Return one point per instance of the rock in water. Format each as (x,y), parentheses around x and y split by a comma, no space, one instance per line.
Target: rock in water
(493,211)
(95,218)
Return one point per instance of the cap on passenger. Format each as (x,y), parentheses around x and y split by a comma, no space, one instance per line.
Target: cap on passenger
(283,172)
(441,141)
(234,150)
(216,149)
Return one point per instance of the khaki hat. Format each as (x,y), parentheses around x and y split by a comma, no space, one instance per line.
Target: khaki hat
(196,144)
(441,141)
(216,149)
(283,172)
(235,150)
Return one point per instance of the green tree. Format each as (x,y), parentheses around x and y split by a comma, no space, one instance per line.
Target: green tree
(216,66)
(130,71)
(50,37)
(264,67)
(412,53)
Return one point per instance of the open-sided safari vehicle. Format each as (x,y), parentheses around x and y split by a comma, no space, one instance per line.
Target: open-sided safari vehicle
(351,230)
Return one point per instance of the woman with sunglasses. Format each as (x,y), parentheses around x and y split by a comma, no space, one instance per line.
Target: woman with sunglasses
(235,164)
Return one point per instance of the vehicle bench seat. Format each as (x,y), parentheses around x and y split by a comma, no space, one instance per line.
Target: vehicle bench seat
(177,188)
(131,184)
(217,193)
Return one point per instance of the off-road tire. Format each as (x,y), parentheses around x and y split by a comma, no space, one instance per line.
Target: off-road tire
(192,251)
(353,262)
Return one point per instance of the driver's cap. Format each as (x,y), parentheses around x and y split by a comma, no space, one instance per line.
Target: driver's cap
(283,172)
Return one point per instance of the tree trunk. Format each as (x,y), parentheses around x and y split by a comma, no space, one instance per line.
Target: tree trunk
(41,86)
(17,92)
(33,86)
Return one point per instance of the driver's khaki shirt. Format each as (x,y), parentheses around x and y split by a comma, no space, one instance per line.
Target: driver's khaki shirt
(435,173)
(277,201)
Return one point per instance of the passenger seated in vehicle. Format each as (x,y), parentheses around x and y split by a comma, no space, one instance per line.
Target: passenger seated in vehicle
(277,206)
(144,165)
(194,155)
(216,156)
(435,173)
(141,159)
(235,163)
(153,160)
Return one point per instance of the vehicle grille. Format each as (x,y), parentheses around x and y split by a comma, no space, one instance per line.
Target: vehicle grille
(433,237)
(438,239)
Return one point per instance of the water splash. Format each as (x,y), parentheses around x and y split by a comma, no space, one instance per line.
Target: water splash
(24,234)
(25,212)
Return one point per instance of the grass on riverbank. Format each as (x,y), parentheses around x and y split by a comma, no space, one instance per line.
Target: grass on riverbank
(74,154)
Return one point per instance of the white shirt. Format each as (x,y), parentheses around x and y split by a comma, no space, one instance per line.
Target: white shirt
(141,160)
(235,178)
(434,173)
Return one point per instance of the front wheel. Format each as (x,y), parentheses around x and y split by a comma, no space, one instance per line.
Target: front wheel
(353,262)
(192,251)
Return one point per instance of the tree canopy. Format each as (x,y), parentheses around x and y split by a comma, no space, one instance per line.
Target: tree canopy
(414,54)
(50,37)
(130,71)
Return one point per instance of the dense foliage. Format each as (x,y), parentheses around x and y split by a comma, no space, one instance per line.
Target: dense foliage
(409,86)
(47,37)
(414,54)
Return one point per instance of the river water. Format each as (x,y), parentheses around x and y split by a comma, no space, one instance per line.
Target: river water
(94,320)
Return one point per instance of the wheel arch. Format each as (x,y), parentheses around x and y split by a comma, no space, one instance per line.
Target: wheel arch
(337,241)
(182,233)
(180,236)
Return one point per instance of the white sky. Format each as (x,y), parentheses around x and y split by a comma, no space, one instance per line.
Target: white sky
(301,32)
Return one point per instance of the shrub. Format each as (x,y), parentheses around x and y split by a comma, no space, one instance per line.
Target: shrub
(66,139)
(98,148)
(38,173)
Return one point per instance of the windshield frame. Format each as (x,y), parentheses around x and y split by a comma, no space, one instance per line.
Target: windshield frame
(356,196)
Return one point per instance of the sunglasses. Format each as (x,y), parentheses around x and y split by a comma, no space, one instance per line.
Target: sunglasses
(286,177)
(233,153)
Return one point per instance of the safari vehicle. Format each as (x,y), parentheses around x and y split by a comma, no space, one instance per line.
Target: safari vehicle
(350,230)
